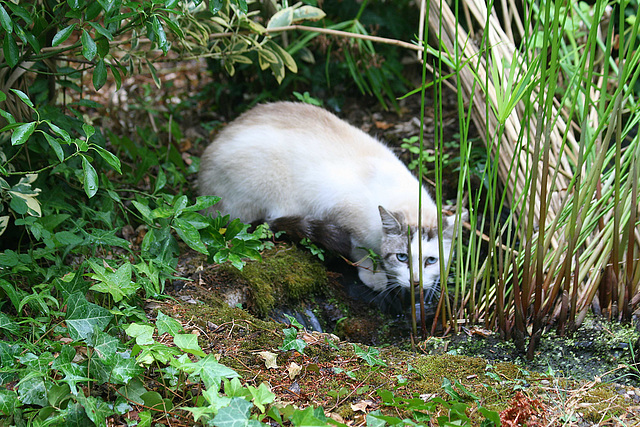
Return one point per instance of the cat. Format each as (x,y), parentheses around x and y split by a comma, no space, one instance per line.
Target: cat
(303,170)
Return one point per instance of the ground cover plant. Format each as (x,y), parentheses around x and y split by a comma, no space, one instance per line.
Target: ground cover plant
(95,212)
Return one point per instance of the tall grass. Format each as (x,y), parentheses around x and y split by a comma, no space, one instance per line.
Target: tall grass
(552,87)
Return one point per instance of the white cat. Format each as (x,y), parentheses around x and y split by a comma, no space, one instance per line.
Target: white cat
(301,169)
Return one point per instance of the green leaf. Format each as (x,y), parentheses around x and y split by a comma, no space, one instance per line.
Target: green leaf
(141,332)
(125,369)
(8,401)
(99,75)
(33,391)
(101,30)
(308,417)
(89,48)
(22,133)
(63,35)
(242,4)
(202,202)
(234,415)
(116,283)
(144,210)
(160,35)
(20,12)
(189,344)
(8,325)
(282,18)
(261,396)
(23,97)
(5,21)
(215,6)
(307,13)
(55,146)
(67,238)
(11,51)
(116,75)
(74,4)
(291,341)
(96,409)
(60,132)
(109,157)
(370,355)
(90,178)
(154,74)
(209,370)
(167,324)
(88,130)
(189,234)
(84,318)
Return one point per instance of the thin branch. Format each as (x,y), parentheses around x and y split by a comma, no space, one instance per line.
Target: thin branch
(338,33)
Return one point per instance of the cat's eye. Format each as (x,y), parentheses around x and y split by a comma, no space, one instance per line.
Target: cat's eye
(402,257)
(430,260)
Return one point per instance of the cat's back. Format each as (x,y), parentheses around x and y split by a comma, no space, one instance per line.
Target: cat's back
(294,129)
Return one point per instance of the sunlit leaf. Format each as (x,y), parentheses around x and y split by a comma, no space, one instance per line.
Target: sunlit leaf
(63,35)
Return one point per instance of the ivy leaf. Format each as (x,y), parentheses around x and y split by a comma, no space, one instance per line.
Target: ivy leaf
(125,369)
(168,324)
(90,178)
(99,75)
(84,318)
(291,341)
(89,48)
(96,409)
(141,332)
(62,35)
(370,355)
(236,414)
(22,133)
(8,401)
(210,371)
(189,344)
(261,396)
(118,283)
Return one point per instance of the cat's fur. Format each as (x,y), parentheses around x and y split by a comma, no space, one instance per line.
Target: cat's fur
(301,169)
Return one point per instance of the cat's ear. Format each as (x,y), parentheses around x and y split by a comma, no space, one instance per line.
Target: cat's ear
(449,221)
(391,223)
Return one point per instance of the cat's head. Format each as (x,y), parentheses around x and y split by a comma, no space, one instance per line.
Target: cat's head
(400,250)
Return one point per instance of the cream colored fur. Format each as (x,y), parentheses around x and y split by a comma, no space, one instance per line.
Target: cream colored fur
(290,159)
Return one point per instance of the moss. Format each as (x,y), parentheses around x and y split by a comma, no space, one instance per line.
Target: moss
(601,400)
(285,275)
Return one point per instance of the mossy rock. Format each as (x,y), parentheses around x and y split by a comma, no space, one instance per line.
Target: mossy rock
(285,276)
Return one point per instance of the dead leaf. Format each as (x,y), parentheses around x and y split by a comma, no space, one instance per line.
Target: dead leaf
(269,359)
(383,125)
(294,370)
(362,405)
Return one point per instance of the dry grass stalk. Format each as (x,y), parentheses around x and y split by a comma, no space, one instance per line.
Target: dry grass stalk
(594,244)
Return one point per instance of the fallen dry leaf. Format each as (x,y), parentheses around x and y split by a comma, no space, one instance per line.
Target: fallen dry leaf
(362,405)
(269,359)
(294,370)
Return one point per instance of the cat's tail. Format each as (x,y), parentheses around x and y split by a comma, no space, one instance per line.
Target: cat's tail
(328,234)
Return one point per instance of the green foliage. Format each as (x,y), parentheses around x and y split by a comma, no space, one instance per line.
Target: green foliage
(291,340)
(455,409)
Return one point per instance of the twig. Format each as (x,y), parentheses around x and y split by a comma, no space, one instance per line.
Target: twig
(339,33)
